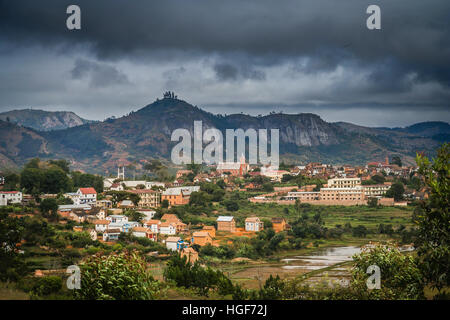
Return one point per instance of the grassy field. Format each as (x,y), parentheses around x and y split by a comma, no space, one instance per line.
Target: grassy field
(332,215)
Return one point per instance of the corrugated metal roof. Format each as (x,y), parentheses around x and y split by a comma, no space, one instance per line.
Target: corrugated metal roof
(225,218)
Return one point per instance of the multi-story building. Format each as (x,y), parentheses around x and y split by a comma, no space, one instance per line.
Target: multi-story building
(343,182)
(375,190)
(10,197)
(179,195)
(153,225)
(148,198)
(340,194)
(168,228)
(303,195)
(86,196)
(341,189)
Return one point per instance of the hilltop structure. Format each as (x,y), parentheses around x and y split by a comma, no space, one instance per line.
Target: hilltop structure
(170,95)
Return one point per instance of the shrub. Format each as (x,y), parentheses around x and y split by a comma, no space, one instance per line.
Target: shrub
(118,276)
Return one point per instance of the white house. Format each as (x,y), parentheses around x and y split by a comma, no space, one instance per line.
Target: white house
(72,207)
(111,235)
(149,214)
(153,225)
(140,232)
(102,225)
(171,243)
(117,218)
(253,224)
(87,196)
(10,197)
(127,226)
(74,196)
(167,228)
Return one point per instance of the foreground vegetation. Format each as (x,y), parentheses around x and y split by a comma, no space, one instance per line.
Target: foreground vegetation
(122,270)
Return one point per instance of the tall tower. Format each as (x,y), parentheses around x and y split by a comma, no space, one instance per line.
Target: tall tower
(121,175)
(386,161)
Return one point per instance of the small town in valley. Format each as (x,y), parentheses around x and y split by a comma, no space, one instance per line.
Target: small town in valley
(254,223)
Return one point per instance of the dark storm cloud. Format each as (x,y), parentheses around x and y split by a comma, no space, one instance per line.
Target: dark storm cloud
(227,51)
(225,71)
(414,32)
(100,75)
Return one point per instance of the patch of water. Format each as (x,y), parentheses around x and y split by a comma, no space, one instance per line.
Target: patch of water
(322,258)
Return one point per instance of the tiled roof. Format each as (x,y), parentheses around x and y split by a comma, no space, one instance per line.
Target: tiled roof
(152,222)
(102,221)
(173,239)
(88,191)
(200,234)
(139,229)
(112,231)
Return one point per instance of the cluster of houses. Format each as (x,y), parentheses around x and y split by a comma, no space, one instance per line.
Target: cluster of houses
(344,191)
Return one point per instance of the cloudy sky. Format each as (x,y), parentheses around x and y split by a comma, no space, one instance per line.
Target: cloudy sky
(230,56)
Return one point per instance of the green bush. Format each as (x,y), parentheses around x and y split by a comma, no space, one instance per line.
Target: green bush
(118,276)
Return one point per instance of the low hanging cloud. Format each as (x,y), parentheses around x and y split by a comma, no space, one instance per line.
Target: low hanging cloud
(226,71)
(99,74)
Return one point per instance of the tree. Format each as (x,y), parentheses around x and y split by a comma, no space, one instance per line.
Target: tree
(118,276)
(200,198)
(165,204)
(55,181)
(49,208)
(194,167)
(372,202)
(268,187)
(11,232)
(396,191)
(33,164)
(62,164)
(118,196)
(231,205)
(188,275)
(47,285)
(400,275)
(396,160)
(84,180)
(12,181)
(31,180)
(433,220)
(359,231)
(378,179)
(135,198)
(134,215)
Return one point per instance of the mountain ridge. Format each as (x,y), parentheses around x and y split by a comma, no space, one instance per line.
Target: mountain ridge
(145,133)
(42,120)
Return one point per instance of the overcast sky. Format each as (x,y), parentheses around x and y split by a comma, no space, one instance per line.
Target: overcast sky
(230,56)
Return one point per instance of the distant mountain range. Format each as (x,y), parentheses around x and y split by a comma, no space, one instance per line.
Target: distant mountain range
(43,120)
(145,134)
